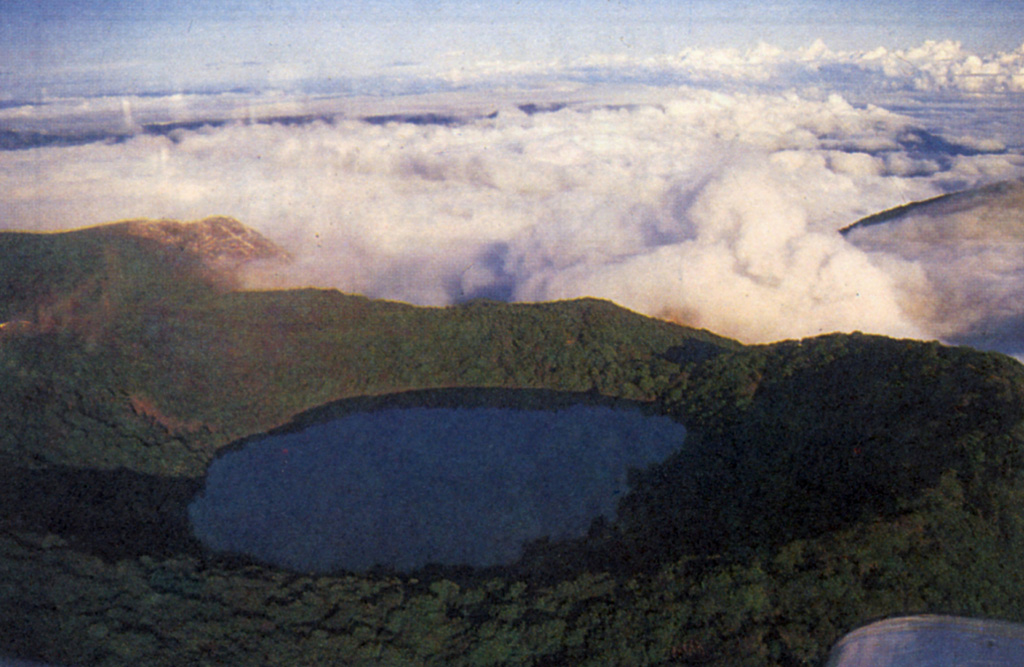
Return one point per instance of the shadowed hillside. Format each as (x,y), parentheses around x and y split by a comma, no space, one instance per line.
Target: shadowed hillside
(120,328)
(823,482)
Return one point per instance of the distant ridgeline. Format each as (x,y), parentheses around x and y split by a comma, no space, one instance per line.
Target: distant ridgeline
(823,483)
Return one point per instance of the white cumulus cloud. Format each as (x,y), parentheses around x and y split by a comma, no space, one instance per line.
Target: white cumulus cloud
(719,209)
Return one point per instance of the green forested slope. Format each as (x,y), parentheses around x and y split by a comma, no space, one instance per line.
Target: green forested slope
(824,483)
(798,438)
(139,343)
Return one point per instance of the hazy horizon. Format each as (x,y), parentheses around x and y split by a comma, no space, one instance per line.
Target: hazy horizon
(76,47)
(692,161)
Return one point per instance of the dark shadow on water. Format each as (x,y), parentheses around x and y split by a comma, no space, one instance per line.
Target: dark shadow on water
(120,514)
(480,480)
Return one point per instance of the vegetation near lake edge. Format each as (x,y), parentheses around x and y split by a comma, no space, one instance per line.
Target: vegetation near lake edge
(824,483)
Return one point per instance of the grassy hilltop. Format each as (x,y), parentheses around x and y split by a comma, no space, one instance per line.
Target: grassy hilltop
(824,483)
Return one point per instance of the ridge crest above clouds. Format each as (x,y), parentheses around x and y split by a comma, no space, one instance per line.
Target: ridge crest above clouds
(216,240)
(716,204)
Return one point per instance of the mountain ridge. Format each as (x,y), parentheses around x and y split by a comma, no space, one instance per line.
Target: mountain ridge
(216,240)
(823,483)
(953,202)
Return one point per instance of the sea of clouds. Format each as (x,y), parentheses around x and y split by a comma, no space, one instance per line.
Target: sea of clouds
(933,66)
(707,187)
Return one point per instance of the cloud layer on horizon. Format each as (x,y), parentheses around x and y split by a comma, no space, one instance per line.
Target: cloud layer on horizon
(716,208)
(933,66)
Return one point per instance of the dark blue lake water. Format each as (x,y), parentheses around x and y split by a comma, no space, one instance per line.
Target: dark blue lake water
(408,487)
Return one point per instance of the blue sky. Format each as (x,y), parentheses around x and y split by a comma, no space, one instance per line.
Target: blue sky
(90,46)
(691,174)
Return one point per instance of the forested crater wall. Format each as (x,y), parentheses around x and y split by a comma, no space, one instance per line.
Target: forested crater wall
(822,483)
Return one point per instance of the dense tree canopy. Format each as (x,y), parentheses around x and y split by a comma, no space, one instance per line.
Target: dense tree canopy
(823,483)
